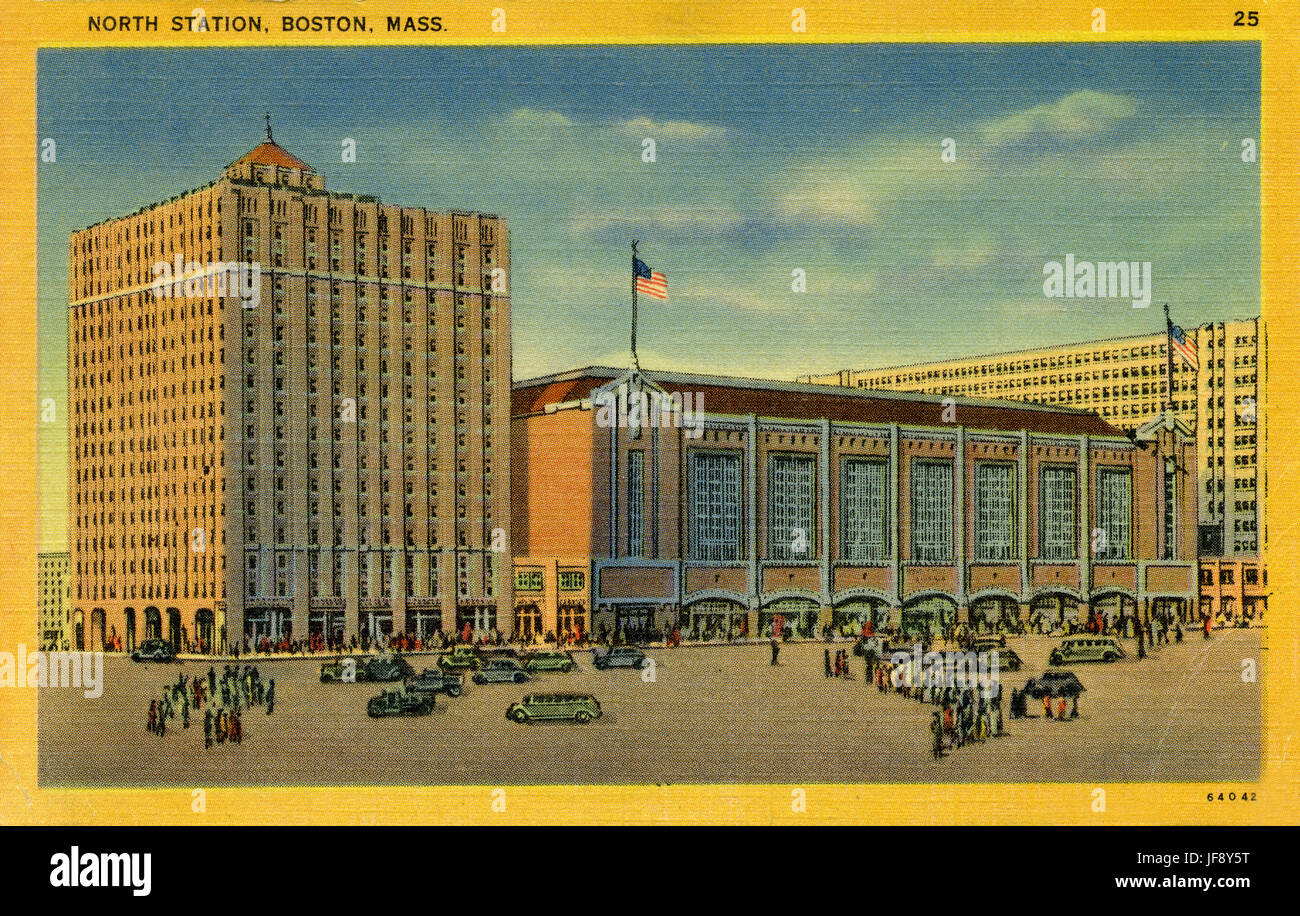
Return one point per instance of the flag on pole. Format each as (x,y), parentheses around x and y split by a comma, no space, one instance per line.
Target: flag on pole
(651,282)
(1183,345)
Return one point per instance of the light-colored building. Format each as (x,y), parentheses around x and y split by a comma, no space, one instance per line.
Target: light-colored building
(52,596)
(826,506)
(1124,380)
(323,452)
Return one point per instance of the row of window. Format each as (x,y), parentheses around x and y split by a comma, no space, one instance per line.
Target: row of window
(714,510)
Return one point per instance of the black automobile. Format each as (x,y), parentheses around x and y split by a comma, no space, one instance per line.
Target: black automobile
(1053,683)
(153,650)
(620,657)
(435,680)
(381,668)
(398,703)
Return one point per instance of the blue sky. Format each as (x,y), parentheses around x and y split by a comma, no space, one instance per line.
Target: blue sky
(822,158)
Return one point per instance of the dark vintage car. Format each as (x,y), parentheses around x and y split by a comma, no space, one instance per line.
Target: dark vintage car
(548,660)
(380,668)
(501,671)
(1052,683)
(1008,660)
(399,703)
(620,657)
(435,680)
(153,650)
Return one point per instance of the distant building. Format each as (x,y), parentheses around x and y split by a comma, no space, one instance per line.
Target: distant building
(52,598)
(1125,381)
(817,506)
(328,456)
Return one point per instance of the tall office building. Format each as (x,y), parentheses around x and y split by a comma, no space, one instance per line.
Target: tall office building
(1124,380)
(289,414)
(52,595)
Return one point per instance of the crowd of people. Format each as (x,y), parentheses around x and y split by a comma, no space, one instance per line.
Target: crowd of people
(963,713)
(222,698)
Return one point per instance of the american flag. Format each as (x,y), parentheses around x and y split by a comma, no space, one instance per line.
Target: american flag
(650,282)
(1183,345)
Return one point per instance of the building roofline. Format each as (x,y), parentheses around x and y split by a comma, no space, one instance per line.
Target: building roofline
(985,356)
(735,381)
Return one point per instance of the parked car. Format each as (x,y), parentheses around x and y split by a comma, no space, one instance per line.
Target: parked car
(399,703)
(983,643)
(435,680)
(621,657)
(501,671)
(1086,647)
(548,660)
(153,650)
(543,706)
(1008,660)
(1054,684)
(381,668)
(461,658)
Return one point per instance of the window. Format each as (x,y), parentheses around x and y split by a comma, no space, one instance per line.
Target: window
(1056,524)
(995,512)
(714,506)
(791,530)
(864,513)
(1171,511)
(931,511)
(572,580)
(635,502)
(1114,512)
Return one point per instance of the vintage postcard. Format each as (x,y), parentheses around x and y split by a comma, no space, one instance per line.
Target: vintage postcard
(674,413)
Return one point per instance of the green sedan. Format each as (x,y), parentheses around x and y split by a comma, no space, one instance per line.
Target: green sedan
(548,661)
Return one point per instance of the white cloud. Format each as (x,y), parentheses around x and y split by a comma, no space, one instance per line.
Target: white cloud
(1086,113)
(672,130)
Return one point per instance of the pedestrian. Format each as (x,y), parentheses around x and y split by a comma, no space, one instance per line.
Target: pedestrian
(776,648)
(237,728)
(153,716)
(936,731)
(828,662)
(1074,710)
(1178,632)
(1206,627)
(207,728)
(185,714)
(270,696)
(1047,707)
(1060,710)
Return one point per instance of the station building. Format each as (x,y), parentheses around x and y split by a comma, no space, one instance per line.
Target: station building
(718,504)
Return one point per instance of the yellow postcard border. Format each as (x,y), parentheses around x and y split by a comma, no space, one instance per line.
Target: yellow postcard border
(30,24)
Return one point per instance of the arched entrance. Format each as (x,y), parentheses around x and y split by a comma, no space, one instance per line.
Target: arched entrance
(849,617)
(928,617)
(713,618)
(528,621)
(1115,607)
(205,626)
(129,616)
(174,629)
(152,623)
(97,630)
(799,616)
(79,630)
(1053,611)
(995,614)
(571,622)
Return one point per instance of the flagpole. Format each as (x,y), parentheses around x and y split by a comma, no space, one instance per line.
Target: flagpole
(1169,361)
(635,363)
